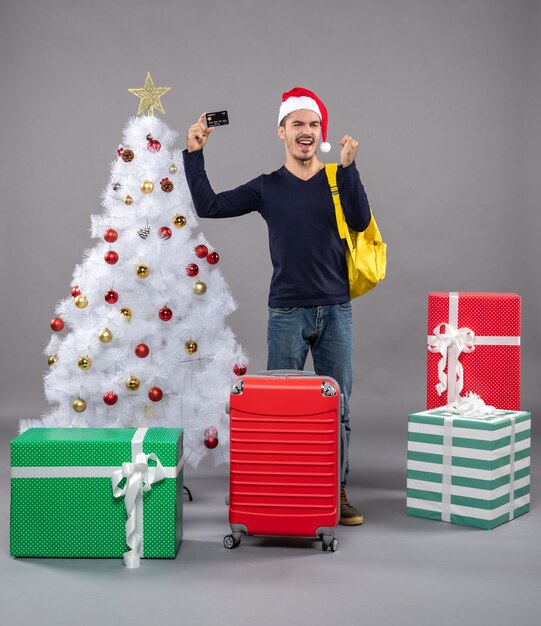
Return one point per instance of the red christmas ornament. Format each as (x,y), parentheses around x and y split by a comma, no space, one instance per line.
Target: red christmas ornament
(239,369)
(111,257)
(154,145)
(192,269)
(211,437)
(155,394)
(213,258)
(75,291)
(165,314)
(120,150)
(57,324)
(110,235)
(110,398)
(201,251)
(164,232)
(111,296)
(142,350)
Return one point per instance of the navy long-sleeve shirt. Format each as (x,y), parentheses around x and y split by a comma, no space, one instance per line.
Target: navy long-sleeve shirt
(307,253)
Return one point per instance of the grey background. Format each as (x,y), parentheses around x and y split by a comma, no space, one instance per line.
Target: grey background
(445,100)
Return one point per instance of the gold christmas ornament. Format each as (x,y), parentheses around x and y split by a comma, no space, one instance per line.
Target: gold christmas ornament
(173,169)
(81,301)
(52,360)
(190,346)
(142,271)
(79,405)
(128,200)
(147,186)
(179,221)
(84,362)
(199,288)
(105,335)
(133,383)
(126,313)
(149,96)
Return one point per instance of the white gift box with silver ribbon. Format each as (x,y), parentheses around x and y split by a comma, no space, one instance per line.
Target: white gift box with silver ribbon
(469,470)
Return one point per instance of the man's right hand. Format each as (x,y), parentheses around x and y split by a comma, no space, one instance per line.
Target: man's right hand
(198,135)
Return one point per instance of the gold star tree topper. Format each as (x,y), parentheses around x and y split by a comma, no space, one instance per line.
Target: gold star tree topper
(150,96)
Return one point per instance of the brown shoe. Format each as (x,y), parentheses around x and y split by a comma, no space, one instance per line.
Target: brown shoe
(349,516)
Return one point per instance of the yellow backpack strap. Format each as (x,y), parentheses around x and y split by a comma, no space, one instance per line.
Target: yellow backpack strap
(343,230)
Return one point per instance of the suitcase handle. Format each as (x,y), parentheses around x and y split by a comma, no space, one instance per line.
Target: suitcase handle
(285,373)
(344,449)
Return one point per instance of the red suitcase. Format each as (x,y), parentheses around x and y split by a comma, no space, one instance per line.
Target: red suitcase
(285,457)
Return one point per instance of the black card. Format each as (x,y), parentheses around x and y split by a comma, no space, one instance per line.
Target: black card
(218,118)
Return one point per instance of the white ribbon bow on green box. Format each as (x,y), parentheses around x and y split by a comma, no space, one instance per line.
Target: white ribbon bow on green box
(140,477)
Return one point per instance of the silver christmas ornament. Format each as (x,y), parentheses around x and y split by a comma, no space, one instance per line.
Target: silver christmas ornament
(144,231)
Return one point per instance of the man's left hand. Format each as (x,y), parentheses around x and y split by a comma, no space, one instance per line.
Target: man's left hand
(349,150)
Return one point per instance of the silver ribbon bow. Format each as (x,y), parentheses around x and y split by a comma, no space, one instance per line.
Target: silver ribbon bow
(139,478)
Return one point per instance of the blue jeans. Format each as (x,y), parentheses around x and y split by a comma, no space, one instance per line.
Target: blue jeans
(326,331)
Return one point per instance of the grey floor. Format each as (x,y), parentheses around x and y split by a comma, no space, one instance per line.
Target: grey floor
(393,570)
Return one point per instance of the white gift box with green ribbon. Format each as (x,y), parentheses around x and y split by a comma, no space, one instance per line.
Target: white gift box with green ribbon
(473,471)
(93,492)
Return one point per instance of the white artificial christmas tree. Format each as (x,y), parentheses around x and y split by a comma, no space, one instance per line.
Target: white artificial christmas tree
(142,341)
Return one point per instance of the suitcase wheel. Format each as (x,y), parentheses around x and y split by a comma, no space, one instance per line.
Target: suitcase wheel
(329,545)
(230,542)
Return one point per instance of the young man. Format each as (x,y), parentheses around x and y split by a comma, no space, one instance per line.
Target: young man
(309,305)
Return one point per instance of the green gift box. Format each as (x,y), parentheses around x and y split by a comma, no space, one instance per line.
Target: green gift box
(94,492)
(473,471)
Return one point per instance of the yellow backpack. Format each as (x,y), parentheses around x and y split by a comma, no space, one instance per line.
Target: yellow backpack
(366,253)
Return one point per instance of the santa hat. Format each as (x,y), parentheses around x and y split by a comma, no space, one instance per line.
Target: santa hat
(300,98)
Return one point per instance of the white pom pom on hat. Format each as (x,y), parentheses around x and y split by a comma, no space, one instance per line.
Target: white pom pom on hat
(300,98)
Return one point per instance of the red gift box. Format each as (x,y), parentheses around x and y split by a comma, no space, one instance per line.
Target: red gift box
(474,346)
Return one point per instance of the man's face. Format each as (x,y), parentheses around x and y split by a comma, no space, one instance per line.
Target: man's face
(301,133)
